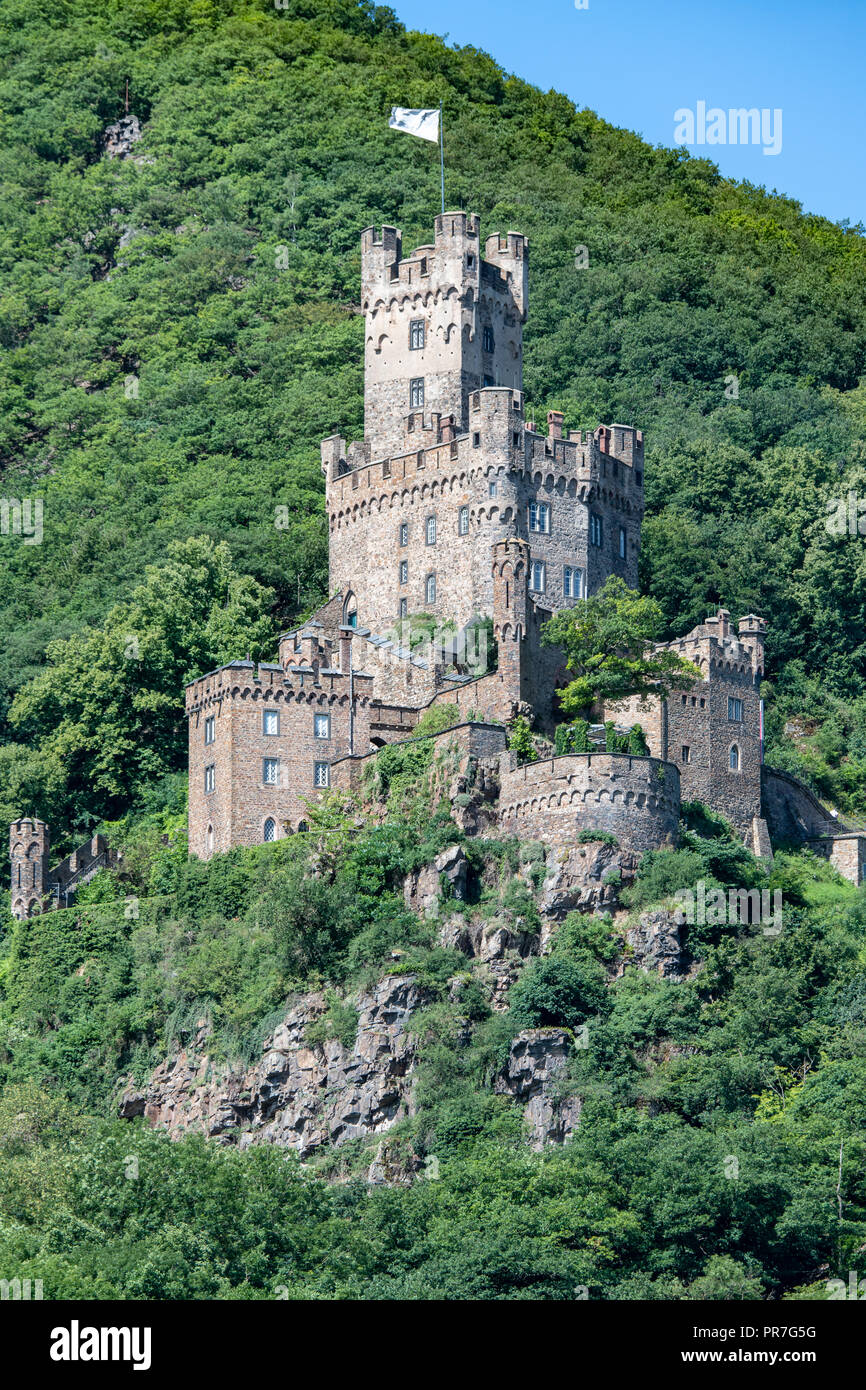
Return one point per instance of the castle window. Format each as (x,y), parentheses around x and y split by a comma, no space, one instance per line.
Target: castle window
(476,440)
(270,771)
(491,490)
(210,728)
(302,827)
(488,381)
(209,778)
(404,571)
(404,533)
(734,758)
(622,542)
(539,516)
(321,775)
(270,829)
(735,709)
(487,340)
(537,577)
(322,726)
(470,261)
(210,839)
(703,702)
(463,522)
(687,753)
(404,608)
(596,529)
(572,582)
(416,393)
(453,448)
(430,588)
(515,439)
(270,722)
(416,334)
(352,619)
(685,699)
(431,530)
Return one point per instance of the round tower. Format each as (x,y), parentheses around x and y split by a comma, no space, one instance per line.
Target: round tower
(29,853)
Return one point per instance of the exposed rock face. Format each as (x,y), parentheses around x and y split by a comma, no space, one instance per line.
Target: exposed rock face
(537,1061)
(585,878)
(119,139)
(423,889)
(657,942)
(295,1096)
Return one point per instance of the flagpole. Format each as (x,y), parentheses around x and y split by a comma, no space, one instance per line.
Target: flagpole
(442,156)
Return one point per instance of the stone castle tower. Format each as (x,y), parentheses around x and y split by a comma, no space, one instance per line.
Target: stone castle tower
(29,853)
(449,467)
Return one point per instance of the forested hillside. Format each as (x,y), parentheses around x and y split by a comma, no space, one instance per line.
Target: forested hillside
(178,329)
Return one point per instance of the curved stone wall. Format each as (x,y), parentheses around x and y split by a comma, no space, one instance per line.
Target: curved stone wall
(635,799)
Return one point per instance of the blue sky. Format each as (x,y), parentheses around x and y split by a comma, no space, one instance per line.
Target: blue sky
(636,62)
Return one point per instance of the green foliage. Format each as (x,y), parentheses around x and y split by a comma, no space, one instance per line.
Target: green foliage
(104,714)
(520,739)
(559,991)
(608,641)
(573,737)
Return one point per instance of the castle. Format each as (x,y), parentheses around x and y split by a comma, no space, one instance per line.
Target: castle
(457,508)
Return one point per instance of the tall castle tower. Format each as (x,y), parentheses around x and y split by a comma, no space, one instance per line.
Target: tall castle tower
(449,467)
(439,325)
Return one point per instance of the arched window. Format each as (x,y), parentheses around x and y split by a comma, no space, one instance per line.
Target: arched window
(210,839)
(463,523)
(734,758)
(302,826)
(430,588)
(431,530)
(270,829)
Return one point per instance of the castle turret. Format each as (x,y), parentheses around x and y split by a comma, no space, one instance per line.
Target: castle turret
(29,852)
(753,632)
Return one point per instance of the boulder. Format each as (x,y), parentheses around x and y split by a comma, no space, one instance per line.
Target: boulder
(297,1096)
(536,1065)
(657,943)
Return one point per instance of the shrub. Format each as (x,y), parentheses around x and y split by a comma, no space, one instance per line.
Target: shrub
(558,991)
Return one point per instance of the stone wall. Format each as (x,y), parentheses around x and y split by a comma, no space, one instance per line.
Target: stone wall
(793,813)
(635,799)
(846,852)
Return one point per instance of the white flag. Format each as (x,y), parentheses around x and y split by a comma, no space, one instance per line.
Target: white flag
(425,124)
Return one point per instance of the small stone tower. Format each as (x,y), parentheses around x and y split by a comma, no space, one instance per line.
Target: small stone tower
(29,852)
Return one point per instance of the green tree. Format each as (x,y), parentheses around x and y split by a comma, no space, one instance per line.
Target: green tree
(106,714)
(608,641)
